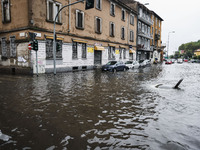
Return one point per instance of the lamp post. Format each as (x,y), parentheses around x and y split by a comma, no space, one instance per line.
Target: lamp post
(54,34)
(168,43)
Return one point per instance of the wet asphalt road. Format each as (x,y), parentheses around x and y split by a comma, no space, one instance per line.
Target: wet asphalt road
(95,110)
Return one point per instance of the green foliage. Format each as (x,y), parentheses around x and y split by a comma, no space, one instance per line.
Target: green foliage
(198,57)
(190,46)
(189,49)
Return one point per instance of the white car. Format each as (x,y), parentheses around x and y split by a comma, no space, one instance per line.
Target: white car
(145,62)
(132,64)
(180,61)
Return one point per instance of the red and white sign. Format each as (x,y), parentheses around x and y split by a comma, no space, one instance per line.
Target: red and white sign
(29,46)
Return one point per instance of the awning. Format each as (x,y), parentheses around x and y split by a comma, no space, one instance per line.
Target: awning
(51,37)
(79,41)
(113,45)
(100,48)
(122,46)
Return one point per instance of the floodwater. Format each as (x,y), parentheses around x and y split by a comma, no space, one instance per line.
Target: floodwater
(94,110)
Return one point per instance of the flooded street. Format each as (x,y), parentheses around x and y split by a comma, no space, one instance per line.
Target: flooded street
(102,110)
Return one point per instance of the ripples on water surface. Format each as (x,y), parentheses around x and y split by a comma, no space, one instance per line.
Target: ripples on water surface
(95,110)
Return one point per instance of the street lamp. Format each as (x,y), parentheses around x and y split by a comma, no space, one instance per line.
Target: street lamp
(168,42)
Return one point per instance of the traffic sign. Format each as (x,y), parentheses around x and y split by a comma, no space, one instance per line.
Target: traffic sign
(30,46)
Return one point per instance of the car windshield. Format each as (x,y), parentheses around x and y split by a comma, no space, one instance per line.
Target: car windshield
(111,63)
(140,61)
(128,62)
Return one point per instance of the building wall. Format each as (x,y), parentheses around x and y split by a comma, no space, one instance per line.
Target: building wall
(156,29)
(19,16)
(34,16)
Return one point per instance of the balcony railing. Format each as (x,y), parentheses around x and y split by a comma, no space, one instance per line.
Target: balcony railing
(146,35)
(145,19)
(143,47)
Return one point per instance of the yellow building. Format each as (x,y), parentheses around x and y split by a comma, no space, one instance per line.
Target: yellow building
(156,42)
(197,52)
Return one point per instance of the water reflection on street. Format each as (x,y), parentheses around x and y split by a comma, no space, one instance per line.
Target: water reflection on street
(95,110)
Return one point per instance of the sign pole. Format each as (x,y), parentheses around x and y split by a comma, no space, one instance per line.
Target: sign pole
(36,62)
(54,35)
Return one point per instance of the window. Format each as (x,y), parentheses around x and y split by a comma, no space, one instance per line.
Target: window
(139,26)
(132,19)
(84,50)
(76,46)
(52,10)
(49,49)
(112,9)
(112,29)
(74,50)
(5,11)
(131,56)
(123,14)
(4,48)
(12,47)
(120,53)
(139,40)
(98,4)
(111,52)
(123,33)
(131,35)
(98,25)
(124,53)
(79,19)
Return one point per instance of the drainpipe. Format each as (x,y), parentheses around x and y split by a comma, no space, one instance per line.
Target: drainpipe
(137,33)
(69,19)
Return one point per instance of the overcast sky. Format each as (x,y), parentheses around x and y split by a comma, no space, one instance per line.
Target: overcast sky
(181,16)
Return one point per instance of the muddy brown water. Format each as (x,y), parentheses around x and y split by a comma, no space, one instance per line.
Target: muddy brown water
(102,110)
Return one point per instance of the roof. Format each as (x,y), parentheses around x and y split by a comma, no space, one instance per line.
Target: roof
(157,15)
(125,3)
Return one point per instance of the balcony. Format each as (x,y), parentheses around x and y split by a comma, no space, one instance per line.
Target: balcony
(143,34)
(157,37)
(143,47)
(145,19)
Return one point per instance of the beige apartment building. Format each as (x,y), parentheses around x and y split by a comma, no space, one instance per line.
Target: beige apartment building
(88,38)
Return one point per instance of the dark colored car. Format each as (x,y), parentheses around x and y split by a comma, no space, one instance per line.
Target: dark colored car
(114,66)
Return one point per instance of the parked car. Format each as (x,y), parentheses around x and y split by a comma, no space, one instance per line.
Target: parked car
(185,60)
(169,61)
(198,61)
(193,60)
(180,61)
(144,63)
(173,60)
(114,66)
(132,64)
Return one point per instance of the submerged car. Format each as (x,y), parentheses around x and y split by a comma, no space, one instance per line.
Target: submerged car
(144,63)
(132,64)
(114,66)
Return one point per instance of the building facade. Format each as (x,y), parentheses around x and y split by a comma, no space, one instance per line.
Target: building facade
(87,38)
(156,42)
(144,36)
